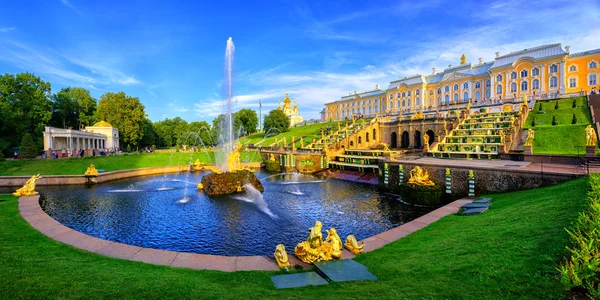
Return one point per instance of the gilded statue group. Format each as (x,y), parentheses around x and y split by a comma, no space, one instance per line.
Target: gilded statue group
(315,249)
(28,188)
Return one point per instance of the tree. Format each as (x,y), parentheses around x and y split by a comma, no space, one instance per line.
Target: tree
(248,119)
(276,120)
(533,121)
(540,107)
(164,136)
(202,129)
(25,107)
(28,149)
(148,139)
(217,129)
(63,110)
(85,106)
(556,104)
(574,120)
(554,123)
(124,113)
(574,103)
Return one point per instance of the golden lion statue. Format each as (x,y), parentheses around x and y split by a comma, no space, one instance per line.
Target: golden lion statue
(28,188)
(353,246)
(281,256)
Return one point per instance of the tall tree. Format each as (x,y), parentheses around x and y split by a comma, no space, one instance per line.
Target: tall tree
(148,139)
(85,106)
(125,113)
(217,129)
(248,119)
(276,120)
(25,107)
(64,111)
(202,129)
(164,135)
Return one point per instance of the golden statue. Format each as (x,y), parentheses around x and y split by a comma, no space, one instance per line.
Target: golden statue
(471,174)
(420,177)
(281,257)
(28,188)
(426,141)
(502,137)
(271,157)
(197,165)
(233,161)
(353,246)
(417,116)
(239,189)
(301,142)
(445,128)
(276,142)
(447,171)
(293,144)
(463,59)
(530,136)
(339,127)
(200,186)
(385,147)
(314,249)
(590,136)
(91,171)
(284,142)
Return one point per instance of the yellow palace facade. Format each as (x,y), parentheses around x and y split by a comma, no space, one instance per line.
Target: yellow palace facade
(544,72)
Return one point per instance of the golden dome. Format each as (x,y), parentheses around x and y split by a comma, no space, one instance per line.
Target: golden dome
(102,124)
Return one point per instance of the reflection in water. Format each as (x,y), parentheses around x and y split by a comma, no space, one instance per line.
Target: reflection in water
(157,212)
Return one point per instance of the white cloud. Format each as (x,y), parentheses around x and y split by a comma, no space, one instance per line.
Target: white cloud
(70,6)
(7,29)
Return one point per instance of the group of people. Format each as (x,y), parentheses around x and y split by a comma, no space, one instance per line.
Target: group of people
(64,153)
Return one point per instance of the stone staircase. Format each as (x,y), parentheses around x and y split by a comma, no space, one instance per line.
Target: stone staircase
(483,135)
(357,160)
(339,137)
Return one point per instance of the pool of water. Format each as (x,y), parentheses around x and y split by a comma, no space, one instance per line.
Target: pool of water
(168,212)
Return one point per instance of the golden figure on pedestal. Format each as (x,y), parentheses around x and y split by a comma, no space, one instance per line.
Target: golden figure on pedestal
(91,171)
(420,177)
(590,136)
(353,246)
(281,256)
(426,141)
(28,188)
(314,249)
(530,137)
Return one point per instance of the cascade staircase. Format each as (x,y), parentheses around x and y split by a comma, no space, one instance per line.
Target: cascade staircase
(484,135)
(365,161)
(321,142)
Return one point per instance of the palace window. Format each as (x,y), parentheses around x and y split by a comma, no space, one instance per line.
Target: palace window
(409,93)
(513,87)
(417,101)
(398,96)
(592,65)
(439,100)
(535,84)
(466,85)
(399,103)
(524,86)
(573,82)
(553,68)
(488,83)
(417,92)
(535,72)
(573,68)
(439,91)
(447,99)
(403,94)
(456,87)
(499,89)
(592,79)
(391,96)
(383,107)
(466,97)
(455,97)
(499,78)
(477,84)
(408,102)
(391,105)
(430,92)
(513,75)
(488,93)
(553,81)
(447,89)
(524,73)
(477,95)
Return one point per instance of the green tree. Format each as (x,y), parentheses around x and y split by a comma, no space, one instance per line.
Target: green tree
(217,128)
(574,120)
(180,130)
(248,119)
(202,129)
(164,136)
(276,119)
(540,107)
(124,113)
(63,110)
(554,123)
(25,107)
(148,139)
(28,149)
(85,106)
(533,121)
(556,104)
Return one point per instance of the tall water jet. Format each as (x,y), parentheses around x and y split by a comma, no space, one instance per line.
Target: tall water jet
(227,130)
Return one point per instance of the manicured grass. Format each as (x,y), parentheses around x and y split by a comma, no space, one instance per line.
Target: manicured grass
(108,163)
(307,130)
(509,252)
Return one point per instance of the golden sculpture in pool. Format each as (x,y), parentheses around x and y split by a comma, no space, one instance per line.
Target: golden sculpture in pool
(420,177)
(197,165)
(281,256)
(314,249)
(590,136)
(91,171)
(28,188)
(353,246)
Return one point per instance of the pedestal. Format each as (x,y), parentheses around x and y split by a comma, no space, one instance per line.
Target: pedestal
(590,151)
(528,150)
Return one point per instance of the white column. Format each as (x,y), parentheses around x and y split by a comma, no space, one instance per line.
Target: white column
(542,81)
(562,76)
(492,86)
(506,87)
(471,89)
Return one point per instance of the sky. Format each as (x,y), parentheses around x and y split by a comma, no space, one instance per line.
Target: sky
(170,54)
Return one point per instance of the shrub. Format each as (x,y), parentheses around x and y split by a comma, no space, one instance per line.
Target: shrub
(177,148)
(2,157)
(533,121)
(540,107)
(128,148)
(556,105)
(581,269)
(574,103)
(574,120)
(554,123)
(28,149)
(482,110)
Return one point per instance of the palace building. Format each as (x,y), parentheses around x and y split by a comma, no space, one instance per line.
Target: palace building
(543,72)
(292,113)
(100,135)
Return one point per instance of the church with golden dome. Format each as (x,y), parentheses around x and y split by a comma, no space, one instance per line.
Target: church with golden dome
(290,112)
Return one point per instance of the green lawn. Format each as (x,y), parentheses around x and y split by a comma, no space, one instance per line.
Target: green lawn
(307,130)
(564,138)
(108,163)
(509,252)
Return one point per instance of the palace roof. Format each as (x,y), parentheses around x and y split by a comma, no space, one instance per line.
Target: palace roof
(584,53)
(102,124)
(545,51)
(362,95)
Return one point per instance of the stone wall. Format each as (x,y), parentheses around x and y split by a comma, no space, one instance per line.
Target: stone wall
(486,180)
(298,161)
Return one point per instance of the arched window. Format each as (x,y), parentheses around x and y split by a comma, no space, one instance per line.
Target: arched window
(408,102)
(535,84)
(499,89)
(403,102)
(524,86)
(439,91)
(499,78)
(592,65)
(447,99)
(524,73)
(383,107)
(417,101)
(456,87)
(391,105)
(535,72)
(573,68)
(477,95)
(439,100)
(513,75)
(409,93)
(553,68)
(455,97)
(403,94)
(592,79)
(466,85)
(447,89)
(488,93)
(466,97)
(417,92)
(398,96)
(488,83)
(513,87)
(477,84)
(391,96)
(553,81)
(399,103)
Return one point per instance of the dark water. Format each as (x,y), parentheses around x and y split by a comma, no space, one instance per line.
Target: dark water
(167,212)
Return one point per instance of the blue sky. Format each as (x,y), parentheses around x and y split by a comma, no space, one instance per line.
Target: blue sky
(170,54)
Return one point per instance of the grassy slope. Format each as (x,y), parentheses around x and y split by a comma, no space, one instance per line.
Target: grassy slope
(297,132)
(564,138)
(108,163)
(511,251)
